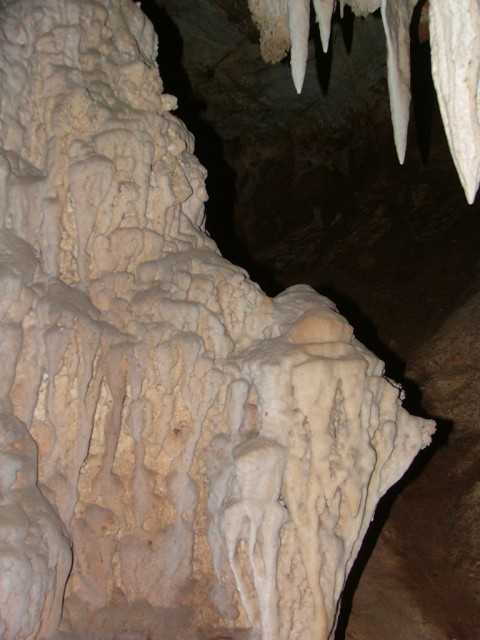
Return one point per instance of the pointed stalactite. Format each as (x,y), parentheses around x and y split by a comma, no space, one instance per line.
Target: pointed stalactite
(455,51)
(324,10)
(455,47)
(396,17)
(298,26)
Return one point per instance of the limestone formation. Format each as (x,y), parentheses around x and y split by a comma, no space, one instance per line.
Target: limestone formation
(455,50)
(35,556)
(298,27)
(272,23)
(455,43)
(213,457)
(301,478)
(396,21)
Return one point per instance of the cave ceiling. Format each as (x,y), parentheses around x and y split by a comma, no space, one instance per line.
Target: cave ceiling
(307,187)
(220,54)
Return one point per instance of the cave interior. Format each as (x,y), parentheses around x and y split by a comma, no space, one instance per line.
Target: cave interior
(178,448)
(308,189)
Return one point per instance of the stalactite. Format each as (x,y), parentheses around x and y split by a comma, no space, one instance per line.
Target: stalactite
(396,19)
(299,27)
(455,51)
(455,47)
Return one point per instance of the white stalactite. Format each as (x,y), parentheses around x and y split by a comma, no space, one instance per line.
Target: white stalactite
(455,50)
(271,19)
(298,25)
(324,10)
(396,17)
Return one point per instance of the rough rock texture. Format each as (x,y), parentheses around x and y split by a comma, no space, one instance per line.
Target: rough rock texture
(177,410)
(271,21)
(332,437)
(35,556)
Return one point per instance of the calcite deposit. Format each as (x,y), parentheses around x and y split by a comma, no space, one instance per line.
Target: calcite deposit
(455,50)
(209,457)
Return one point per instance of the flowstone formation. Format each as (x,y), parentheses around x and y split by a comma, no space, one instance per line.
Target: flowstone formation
(179,453)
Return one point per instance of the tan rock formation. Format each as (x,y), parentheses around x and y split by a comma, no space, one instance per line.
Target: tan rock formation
(272,23)
(35,556)
(214,455)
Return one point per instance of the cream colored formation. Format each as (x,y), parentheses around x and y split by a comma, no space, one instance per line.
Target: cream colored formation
(455,51)
(211,457)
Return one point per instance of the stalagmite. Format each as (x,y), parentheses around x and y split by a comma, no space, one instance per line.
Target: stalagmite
(396,17)
(324,10)
(212,456)
(299,27)
(455,51)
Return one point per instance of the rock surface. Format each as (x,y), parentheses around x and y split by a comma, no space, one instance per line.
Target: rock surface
(214,456)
